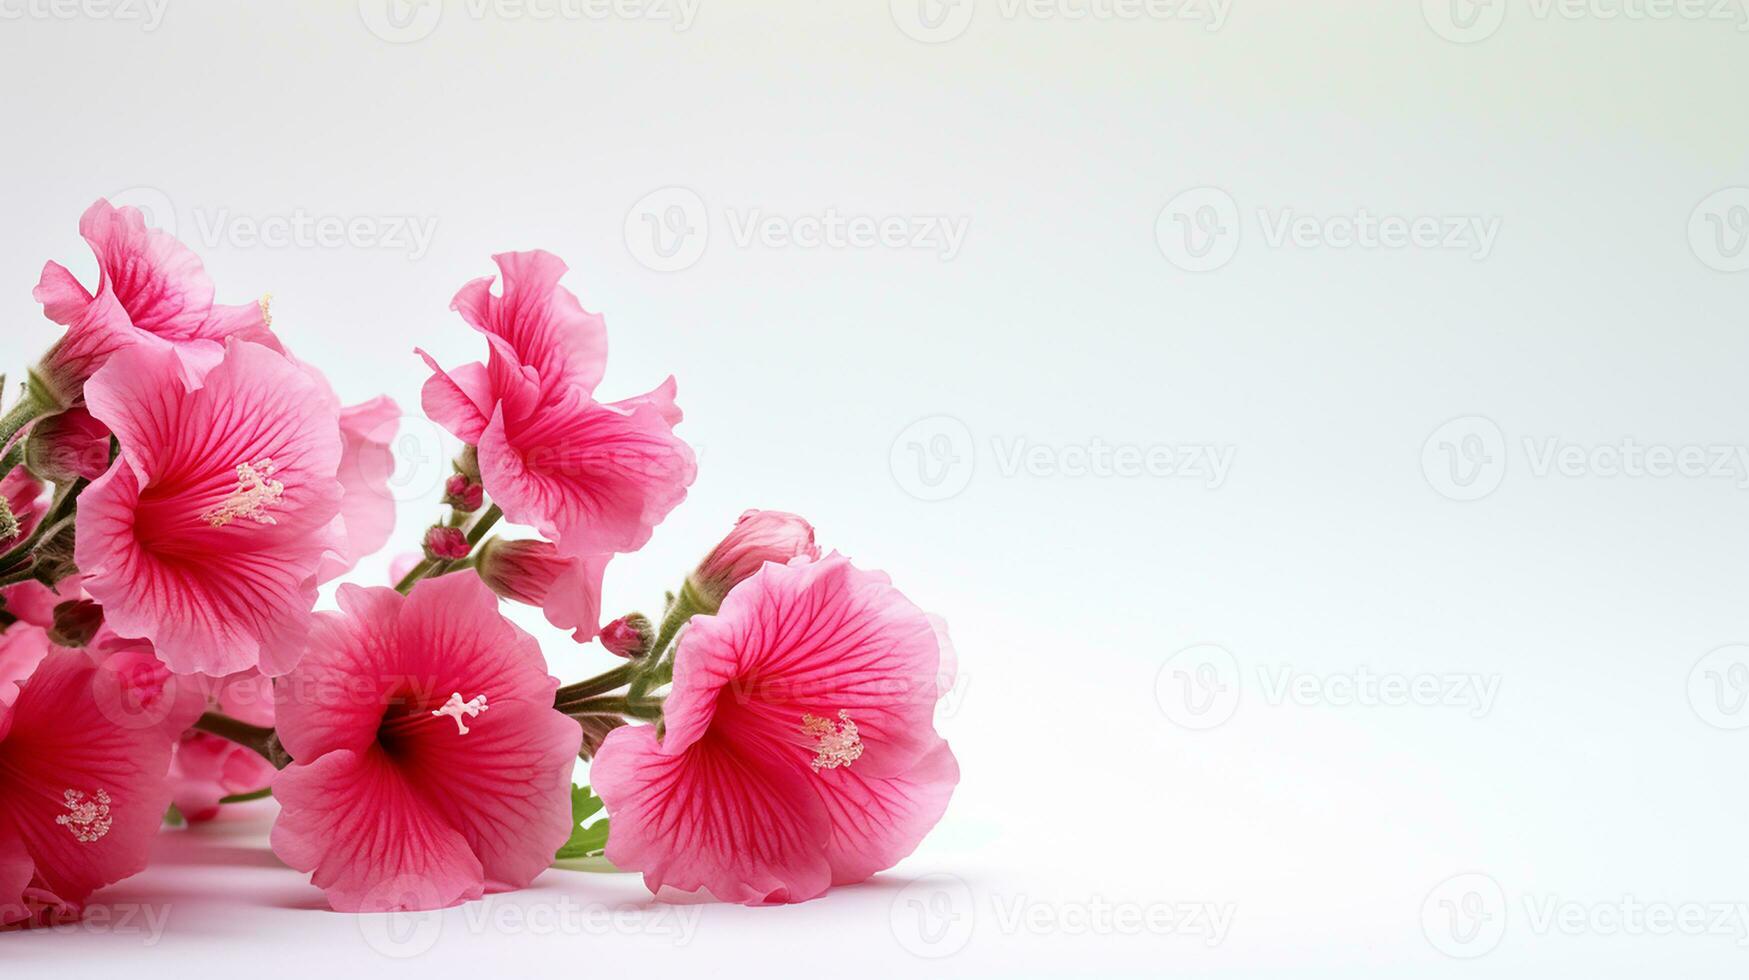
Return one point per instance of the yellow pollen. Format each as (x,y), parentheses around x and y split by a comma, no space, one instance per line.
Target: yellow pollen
(266,314)
(834,745)
(254,494)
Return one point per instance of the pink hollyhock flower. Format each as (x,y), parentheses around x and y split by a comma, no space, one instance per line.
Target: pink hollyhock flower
(429,764)
(759,536)
(81,794)
(206,535)
(567,590)
(593,477)
(799,751)
(151,291)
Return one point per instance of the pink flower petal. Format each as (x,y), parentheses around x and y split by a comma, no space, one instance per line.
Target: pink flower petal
(876,823)
(722,817)
(368,836)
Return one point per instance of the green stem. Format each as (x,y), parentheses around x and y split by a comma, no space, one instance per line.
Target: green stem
(262,741)
(31,406)
(660,659)
(600,684)
(645,709)
(260,794)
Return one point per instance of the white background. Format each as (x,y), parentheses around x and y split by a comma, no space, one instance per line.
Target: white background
(1605,312)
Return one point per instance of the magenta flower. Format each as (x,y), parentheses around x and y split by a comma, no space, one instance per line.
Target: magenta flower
(152,291)
(81,793)
(206,535)
(567,590)
(430,766)
(592,477)
(758,536)
(800,750)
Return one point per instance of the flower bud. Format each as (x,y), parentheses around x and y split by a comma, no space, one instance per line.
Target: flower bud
(76,622)
(628,636)
(445,543)
(67,446)
(463,494)
(758,537)
(521,571)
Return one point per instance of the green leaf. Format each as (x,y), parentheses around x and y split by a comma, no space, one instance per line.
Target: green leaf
(587,839)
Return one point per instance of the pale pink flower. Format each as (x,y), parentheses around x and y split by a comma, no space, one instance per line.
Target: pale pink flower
(429,764)
(799,749)
(758,536)
(206,535)
(151,291)
(592,477)
(207,768)
(81,794)
(567,590)
(367,508)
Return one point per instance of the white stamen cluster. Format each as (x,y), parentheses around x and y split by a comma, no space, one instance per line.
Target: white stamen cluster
(256,491)
(89,820)
(456,708)
(834,745)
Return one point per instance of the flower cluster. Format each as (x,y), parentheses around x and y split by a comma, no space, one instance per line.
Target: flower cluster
(175,488)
